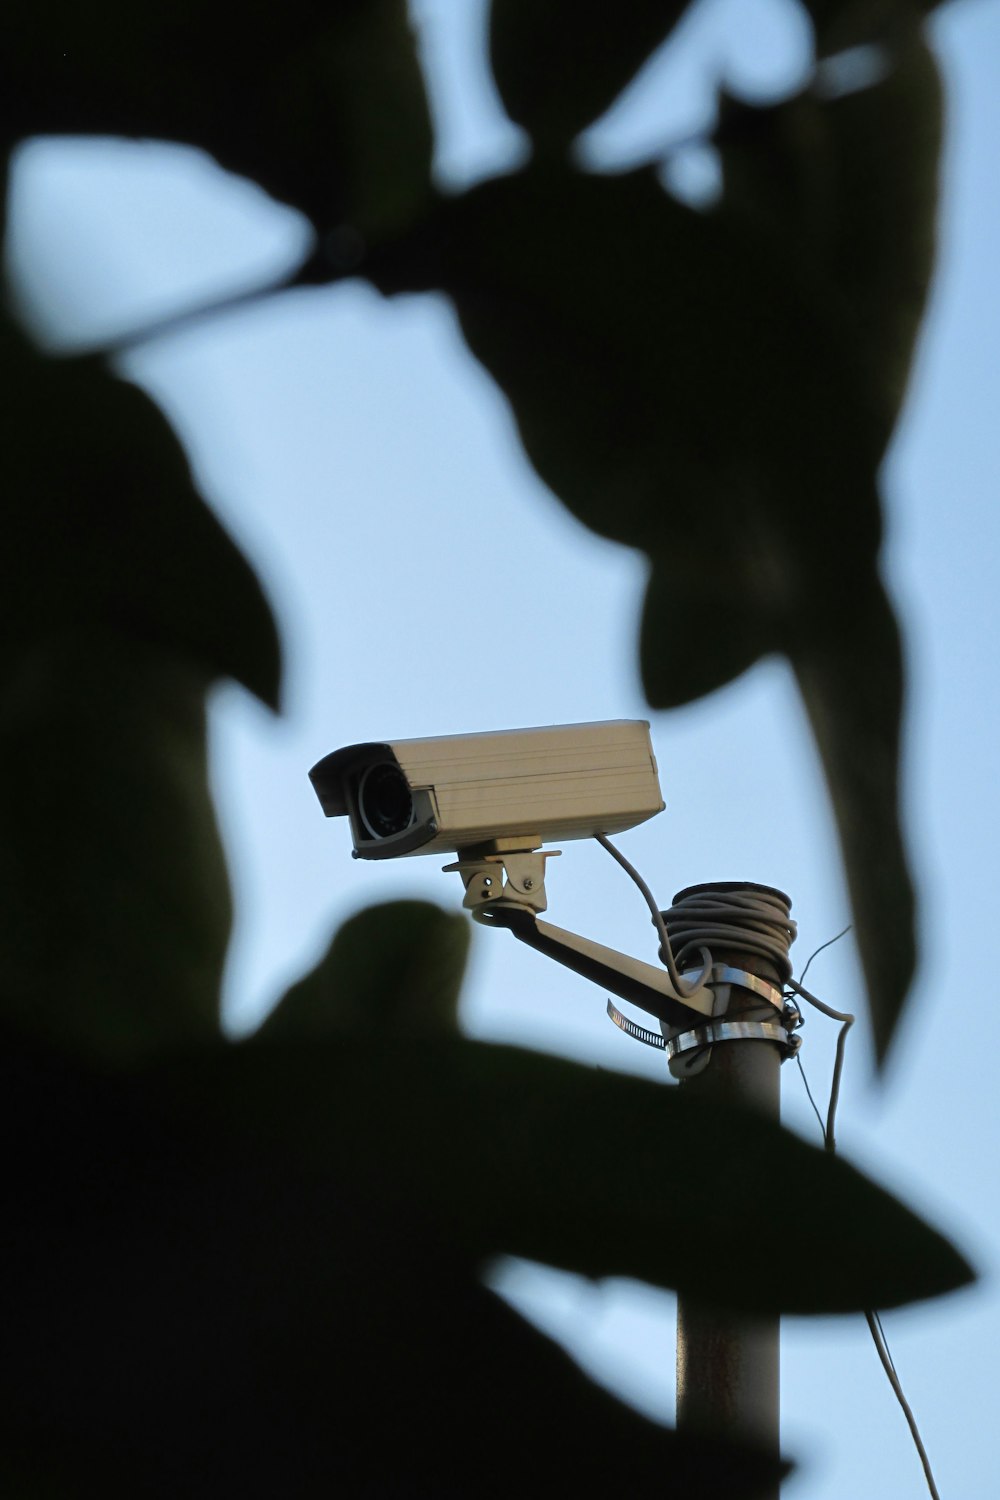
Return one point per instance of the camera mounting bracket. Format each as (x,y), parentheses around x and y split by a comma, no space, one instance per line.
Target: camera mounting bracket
(506,888)
(494,873)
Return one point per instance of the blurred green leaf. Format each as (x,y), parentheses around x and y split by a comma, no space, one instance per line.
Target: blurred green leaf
(502,1150)
(887,142)
(104,529)
(681,390)
(719,389)
(239,1268)
(202,1313)
(844,189)
(842,24)
(846,658)
(397,966)
(559,66)
(850,678)
(320,101)
(669,381)
(116,912)
(122,598)
(367,71)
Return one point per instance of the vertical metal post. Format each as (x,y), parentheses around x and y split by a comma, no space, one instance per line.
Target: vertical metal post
(727,1365)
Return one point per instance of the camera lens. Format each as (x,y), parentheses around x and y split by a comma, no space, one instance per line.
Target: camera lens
(384,800)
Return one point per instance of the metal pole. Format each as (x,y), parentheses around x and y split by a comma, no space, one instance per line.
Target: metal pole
(728,1365)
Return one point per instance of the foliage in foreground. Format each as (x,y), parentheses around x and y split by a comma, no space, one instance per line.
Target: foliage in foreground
(256,1267)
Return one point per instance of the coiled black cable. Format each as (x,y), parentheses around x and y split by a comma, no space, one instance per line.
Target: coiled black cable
(732,914)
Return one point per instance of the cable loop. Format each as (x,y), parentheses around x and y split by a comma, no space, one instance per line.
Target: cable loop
(754,919)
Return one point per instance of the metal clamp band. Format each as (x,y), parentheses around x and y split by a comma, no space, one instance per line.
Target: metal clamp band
(731,1031)
(724,974)
(633,1029)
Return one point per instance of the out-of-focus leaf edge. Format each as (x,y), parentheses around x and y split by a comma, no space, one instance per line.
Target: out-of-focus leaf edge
(510,1151)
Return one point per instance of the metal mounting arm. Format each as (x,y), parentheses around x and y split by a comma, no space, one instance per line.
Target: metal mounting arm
(505,887)
(630,979)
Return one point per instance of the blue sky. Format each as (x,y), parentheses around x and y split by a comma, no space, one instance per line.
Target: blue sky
(427,583)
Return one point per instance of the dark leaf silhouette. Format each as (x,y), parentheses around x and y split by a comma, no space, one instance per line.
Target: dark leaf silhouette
(559,66)
(200,1310)
(122,599)
(849,185)
(393,967)
(320,101)
(505,1150)
(682,390)
(105,530)
(842,24)
(666,376)
(254,1269)
(850,680)
(844,190)
(719,389)
(116,909)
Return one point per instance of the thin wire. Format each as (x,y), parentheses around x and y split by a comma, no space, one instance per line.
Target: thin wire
(682,986)
(705,917)
(878,1320)
(875,1328)
(846,1022)
(829,1140)
(812,1101)
(817,951)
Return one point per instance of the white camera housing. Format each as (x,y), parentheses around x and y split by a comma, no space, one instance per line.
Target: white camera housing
(514,789)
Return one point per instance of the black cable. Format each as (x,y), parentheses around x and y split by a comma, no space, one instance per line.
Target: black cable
(885,1341)
(817,951)
(757,920)
(754,919)
(812,1101)
(682,985)
(846,1022)
(882,1348)
(829,1141)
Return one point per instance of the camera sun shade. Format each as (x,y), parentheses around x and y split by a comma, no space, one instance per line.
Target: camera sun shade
(529,786)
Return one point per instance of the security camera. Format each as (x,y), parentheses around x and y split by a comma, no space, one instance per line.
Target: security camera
(515,789)
(494,800)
